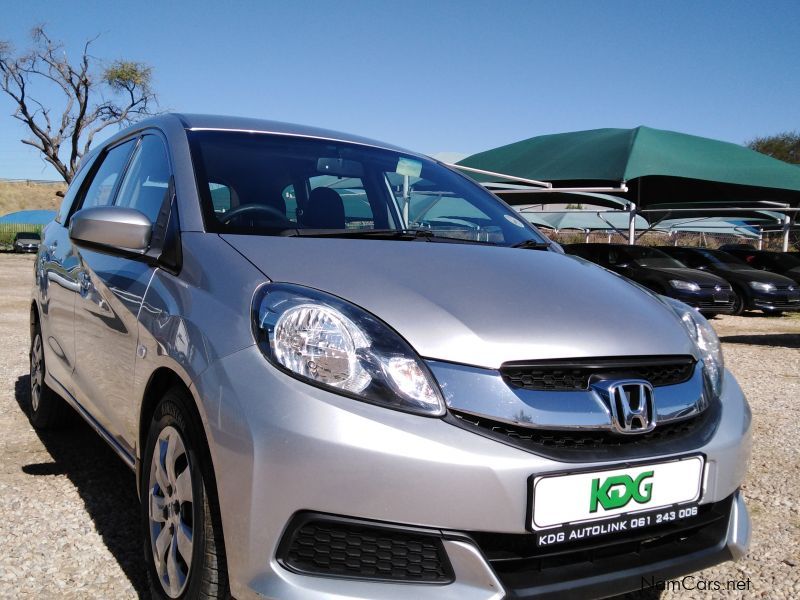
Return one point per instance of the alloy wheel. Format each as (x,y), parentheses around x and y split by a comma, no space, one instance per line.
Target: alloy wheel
(171,511)
(37,372)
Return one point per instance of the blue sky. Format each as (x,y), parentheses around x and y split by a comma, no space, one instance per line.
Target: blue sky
(444,76)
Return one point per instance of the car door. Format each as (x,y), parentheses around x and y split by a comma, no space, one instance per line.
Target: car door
(112,288)
(57,288)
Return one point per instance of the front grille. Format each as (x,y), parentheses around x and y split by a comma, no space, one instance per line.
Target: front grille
(713,286)
(340,547)
(582,440)
(521,563)
(575,445)
(711,305)
(779,304)
(577,374)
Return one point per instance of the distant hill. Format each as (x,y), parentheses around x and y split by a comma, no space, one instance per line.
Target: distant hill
(21,195)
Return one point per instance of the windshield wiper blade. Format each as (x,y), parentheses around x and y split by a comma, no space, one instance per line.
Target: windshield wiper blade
(531,244)
(357,233)
(426,235)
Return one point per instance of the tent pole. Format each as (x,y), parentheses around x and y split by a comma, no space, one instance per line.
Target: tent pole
(632,214)
(787,222)
(632,223)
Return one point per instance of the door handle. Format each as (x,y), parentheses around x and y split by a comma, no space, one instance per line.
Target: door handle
(84,282)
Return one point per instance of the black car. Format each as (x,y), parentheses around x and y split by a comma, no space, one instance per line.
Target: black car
(661,273)
(26,241)
(781,263)
(754,289)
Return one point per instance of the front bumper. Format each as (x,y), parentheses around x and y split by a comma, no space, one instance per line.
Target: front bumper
(778,301)
(280,446)
(706,300)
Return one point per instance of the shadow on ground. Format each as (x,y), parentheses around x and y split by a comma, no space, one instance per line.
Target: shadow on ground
(779,340)
(104,482)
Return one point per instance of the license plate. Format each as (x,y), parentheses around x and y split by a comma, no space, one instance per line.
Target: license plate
(721,297)
(585,497)
(793,296)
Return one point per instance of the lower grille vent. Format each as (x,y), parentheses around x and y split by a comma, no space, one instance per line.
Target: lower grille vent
(340,547)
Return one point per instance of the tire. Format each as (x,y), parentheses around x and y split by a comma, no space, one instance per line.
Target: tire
(738,304)
(180,521)
(46,409)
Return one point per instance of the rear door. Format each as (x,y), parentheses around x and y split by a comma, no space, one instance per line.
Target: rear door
(112,289)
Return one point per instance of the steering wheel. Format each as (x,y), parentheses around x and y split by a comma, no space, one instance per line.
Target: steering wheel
(250,208)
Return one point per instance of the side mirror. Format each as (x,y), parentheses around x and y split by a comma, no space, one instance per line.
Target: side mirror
(118,228)
(60,194)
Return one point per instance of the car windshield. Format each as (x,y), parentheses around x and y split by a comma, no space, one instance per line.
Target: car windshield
(28,236)
(650,257)
(262,184)
(723,259)
(784,261)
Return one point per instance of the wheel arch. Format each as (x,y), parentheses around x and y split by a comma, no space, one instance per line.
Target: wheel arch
(160,381)
(34,318)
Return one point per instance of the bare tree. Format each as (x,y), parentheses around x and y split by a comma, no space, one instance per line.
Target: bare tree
(783,146)
(94,98)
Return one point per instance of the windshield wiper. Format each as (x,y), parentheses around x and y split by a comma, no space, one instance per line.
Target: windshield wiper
(531,244)
(356,233)
(398,234)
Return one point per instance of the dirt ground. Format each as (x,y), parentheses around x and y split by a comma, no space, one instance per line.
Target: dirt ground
(69,511)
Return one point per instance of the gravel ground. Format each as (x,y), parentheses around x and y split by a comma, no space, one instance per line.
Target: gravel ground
(69,508)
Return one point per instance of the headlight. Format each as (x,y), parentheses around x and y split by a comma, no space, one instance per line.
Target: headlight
(686,286)
(325,341)
(762,287)
(705,338)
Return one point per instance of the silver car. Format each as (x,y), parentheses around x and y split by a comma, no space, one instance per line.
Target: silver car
(344,370)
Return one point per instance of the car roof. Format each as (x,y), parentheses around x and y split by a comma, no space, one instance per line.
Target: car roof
(204,122)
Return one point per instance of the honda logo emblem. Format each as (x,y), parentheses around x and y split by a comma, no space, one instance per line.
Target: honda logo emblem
(631,404)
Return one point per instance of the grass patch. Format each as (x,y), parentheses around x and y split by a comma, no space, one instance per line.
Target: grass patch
(22,195)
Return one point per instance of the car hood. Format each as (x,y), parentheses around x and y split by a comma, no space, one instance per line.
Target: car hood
(687,274)
(793,273)
(748,274)
(478,305)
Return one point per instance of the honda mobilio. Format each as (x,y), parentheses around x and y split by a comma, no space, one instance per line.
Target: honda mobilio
(340,369)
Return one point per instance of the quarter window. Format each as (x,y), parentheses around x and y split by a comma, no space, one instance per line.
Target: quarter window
(101,190)
(146,182)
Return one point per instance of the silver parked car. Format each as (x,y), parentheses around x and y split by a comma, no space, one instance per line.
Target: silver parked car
(344,370)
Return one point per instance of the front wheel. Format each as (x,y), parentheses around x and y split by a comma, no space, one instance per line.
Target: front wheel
(182,532)
(738,304)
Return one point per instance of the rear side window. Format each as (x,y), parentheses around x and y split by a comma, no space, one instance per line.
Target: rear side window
(101,189)
(146,182)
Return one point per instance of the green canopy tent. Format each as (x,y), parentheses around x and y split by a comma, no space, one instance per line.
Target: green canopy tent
(602,157)
(583,220)
(646,166)
(738,227)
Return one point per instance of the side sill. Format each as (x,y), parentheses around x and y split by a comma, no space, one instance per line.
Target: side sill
(127,458)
